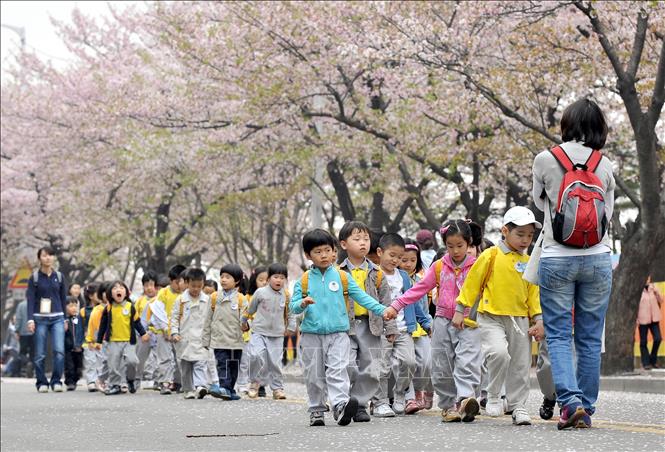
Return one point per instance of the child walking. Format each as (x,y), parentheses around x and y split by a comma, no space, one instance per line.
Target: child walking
(507,305)
(74,337)
(118,326)
(222,330)
(322,295)
(366,327)
(258,279)
(398,351)
(96,369)
(271,322)
(456,354)
(187,318)
(145,349)
(420,395)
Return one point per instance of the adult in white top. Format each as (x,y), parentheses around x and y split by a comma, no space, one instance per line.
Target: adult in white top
(571,277)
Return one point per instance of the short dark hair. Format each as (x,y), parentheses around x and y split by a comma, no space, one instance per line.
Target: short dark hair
(45,249)
(101,289)
(278,269)
(374,239)
(163,280)
(252,287)
(195,274)
(89,290)
(440,253)
(72,300)
(211,283)
(176,271)
(584,121)
(391,239)
(238,276)
(149,276)
(419,259)
(471,232)
(351,226)
(317,237)
(111,285)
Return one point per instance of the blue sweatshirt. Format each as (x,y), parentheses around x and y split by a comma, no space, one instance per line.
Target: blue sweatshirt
(414,312)
(47,287)
(329,315)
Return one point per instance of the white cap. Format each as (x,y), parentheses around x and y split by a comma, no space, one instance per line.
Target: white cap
(520,216)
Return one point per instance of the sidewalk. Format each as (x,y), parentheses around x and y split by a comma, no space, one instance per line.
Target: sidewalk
(651,382)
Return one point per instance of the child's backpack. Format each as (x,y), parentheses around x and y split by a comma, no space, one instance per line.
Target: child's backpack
(579,220)
(242,301)
(35,277)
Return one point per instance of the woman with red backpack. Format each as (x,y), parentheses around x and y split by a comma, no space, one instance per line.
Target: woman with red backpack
(574,185)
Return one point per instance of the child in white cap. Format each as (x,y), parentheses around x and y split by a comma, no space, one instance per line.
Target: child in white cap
(508,305)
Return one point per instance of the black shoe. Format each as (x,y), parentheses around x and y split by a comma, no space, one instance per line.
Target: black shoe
(547,409)
(344,412)
(71,387)
(177,388)
(262,391)
(131,386)
(316,419)
(113,390)
(165,390)
(361,415)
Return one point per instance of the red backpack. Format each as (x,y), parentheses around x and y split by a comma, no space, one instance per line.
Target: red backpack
(580,220)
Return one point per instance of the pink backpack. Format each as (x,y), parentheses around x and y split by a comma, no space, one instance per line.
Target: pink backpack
(580,220)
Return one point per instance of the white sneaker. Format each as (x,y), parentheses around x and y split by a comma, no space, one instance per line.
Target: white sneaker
(57,388)
(399,406)
(521,417)
(147,384)
(42,389)
(190,395)
(383,411)
(494,407)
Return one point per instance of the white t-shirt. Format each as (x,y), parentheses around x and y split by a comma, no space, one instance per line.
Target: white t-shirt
(396,284)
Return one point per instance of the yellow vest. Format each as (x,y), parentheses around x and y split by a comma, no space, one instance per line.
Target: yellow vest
(121,322)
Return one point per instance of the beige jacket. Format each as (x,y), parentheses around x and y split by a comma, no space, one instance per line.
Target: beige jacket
(222,325)
(189,326)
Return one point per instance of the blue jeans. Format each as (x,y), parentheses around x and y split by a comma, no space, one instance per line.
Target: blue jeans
(56,327)
(582,283)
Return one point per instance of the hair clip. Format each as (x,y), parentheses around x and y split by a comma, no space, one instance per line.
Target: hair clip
(444,229)
(411,246)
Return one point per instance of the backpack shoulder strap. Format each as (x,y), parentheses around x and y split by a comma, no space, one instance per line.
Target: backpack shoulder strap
(594,160)
(379,278)
(213,301)
(493,254)
(304,284)
(182,308)
(345,287)
(438,268)
(35,277)
(562,158)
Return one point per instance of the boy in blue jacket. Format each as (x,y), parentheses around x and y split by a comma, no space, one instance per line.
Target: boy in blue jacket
(74,338)
(324,341)
(398,350)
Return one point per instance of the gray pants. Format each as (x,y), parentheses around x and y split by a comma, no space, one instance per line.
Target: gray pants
(193,374)
(165,360)
(400,358)
(364,362)
(507,348)
(265,358)
(456,362)
(325,358)
(211,369)
(422,379)
(122,361)
(145,351)
(243,370)
(94,362)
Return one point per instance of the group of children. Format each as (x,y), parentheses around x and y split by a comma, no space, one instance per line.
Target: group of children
(379,333)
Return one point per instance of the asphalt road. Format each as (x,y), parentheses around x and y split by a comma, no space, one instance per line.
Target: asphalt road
(147,421)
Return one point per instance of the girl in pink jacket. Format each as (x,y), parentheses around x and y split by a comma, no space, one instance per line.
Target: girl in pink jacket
(456,354)
(648,318)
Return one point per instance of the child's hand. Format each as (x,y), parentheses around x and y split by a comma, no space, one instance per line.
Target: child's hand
(306,302)
(458,320)
(390,313)
(145,337)
(289,333)
(391,338)
(175,338)
(97,346)
(537,331)
(244,327)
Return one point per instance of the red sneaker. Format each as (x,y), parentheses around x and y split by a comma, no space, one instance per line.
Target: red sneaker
(412,407)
